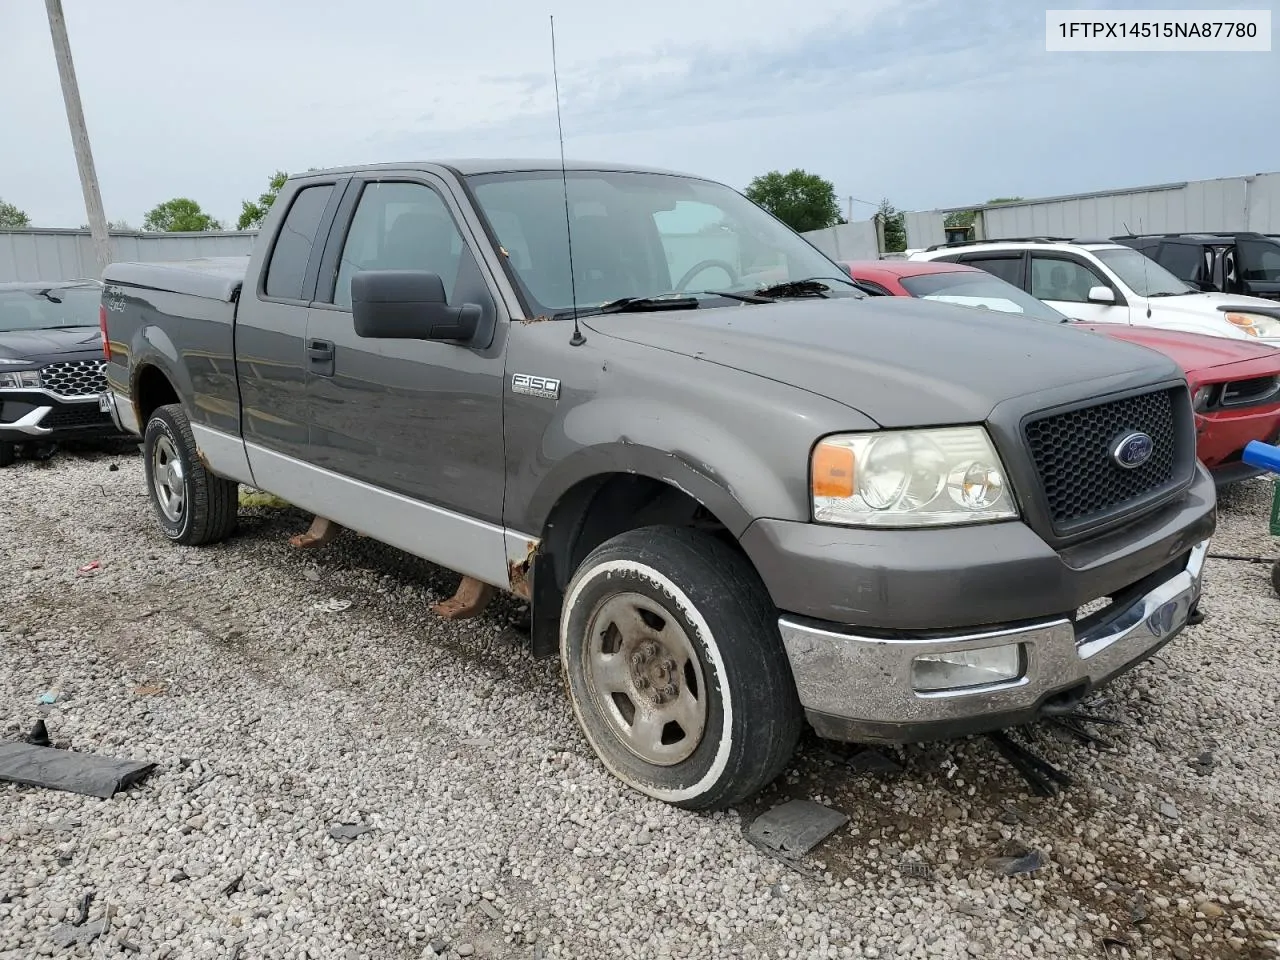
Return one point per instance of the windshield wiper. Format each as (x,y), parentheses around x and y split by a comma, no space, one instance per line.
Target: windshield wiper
(1170,293)
(812,287)
(663,301)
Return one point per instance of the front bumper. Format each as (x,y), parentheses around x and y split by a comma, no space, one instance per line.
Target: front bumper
(30,416)
(859,688)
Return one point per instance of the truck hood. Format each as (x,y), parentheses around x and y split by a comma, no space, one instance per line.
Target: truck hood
(900,361)
(1193,352)
(40,345)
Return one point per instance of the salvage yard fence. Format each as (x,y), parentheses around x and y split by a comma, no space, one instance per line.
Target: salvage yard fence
(1250,203)
(42,253)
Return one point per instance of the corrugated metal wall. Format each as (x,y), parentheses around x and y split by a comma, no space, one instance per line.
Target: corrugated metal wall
(47,254)
(1236,203)
(847,241)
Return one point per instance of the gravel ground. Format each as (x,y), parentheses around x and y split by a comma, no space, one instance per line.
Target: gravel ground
(495,833)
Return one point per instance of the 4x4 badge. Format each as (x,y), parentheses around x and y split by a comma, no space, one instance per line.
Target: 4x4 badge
(532,386)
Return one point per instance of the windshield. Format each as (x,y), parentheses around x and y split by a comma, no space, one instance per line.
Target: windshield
(29,310)
(1141,274)
(979,289)
(640,235)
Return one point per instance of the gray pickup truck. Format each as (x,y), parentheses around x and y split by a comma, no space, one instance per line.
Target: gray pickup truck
(737,493)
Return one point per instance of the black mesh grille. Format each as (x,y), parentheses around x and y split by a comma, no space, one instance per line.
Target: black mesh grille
(1072,453)
(80,415)
(75,378)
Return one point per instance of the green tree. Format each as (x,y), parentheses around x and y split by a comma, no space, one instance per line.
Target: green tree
(965,218)
(179,215)
(111,225)
(895,227)
(253,213)
(11,216)
(803,201)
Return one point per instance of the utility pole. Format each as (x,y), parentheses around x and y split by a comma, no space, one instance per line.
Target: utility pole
(79,135)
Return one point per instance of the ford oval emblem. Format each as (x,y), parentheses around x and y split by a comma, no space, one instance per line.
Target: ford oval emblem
(1132,450)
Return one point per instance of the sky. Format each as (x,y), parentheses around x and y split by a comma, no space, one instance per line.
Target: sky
(929,103)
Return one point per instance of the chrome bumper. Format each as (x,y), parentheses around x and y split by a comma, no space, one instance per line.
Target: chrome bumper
(859,688)
(120,409)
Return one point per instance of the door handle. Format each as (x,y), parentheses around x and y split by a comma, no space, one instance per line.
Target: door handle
(320,357)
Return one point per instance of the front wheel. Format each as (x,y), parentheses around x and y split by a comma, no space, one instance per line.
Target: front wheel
(676,670)
(193,505)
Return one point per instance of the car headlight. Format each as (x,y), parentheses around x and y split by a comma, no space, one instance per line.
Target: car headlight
(19,379)
(909,478)
(1256,325)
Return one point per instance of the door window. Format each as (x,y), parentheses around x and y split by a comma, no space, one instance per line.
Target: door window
(1259,260)
(1181,259)
(286,271)
(1008,269)
(1053,278)
(400,226)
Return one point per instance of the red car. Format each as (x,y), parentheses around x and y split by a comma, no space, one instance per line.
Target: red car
(1235,383)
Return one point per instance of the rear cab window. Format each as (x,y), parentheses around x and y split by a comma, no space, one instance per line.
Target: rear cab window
(287,269)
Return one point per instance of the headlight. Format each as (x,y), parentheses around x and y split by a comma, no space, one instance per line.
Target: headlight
(909,478)
(1256,325)
(19,380)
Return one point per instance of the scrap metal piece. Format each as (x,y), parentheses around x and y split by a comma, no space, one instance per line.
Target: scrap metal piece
(469,600)
(349,831)
(84,773)
(796,827)
(66,934)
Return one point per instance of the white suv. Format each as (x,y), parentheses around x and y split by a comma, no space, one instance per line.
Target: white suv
(1105,282)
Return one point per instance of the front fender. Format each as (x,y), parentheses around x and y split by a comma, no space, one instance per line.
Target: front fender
(721,470)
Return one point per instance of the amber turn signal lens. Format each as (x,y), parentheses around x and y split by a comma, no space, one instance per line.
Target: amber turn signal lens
(1245,323)
(832,471)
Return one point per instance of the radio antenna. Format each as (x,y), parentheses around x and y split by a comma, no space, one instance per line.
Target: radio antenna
(577,339)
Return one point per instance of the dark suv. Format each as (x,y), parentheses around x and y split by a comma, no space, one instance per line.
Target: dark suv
(51,360)
(1239,263)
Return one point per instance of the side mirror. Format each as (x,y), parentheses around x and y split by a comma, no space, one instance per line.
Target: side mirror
(408,305)
(1102,294)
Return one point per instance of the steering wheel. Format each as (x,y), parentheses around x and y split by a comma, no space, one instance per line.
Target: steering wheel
(701,265)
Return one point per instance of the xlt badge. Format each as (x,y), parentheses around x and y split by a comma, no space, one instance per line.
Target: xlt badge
(532,386)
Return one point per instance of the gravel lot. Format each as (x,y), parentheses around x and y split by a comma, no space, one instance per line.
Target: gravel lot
(495,833)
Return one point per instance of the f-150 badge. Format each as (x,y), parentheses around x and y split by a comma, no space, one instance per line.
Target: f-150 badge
(533,386)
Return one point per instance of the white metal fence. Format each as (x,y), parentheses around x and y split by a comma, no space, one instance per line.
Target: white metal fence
(52,254)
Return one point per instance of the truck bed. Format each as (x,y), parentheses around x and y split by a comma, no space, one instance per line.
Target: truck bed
(210,278)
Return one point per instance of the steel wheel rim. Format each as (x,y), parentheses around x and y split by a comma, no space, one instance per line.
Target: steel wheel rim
(168,480)
(646,678)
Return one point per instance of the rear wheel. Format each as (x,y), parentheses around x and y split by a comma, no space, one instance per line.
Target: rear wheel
(676,670)
(193,505)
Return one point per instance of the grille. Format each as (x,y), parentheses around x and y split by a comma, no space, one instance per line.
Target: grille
(80,415)
(1072,454)
(1247,393)
(75,378)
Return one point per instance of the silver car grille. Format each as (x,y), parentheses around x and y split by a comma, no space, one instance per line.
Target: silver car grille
(75,378)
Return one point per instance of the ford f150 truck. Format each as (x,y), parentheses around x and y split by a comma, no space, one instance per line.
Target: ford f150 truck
(737,492)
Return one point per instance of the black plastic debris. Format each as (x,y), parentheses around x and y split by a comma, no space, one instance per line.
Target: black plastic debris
(83,910)
(84,773)
(39,735)
(67,934)
(349,831)
(1015,865)
(796,827)
(871,760)
(233,885)
(1037,771)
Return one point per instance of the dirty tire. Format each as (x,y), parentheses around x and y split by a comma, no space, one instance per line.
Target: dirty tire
(705,594)
(209,503)
(8,454)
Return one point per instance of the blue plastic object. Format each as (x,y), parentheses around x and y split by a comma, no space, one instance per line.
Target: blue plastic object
(1258,454)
